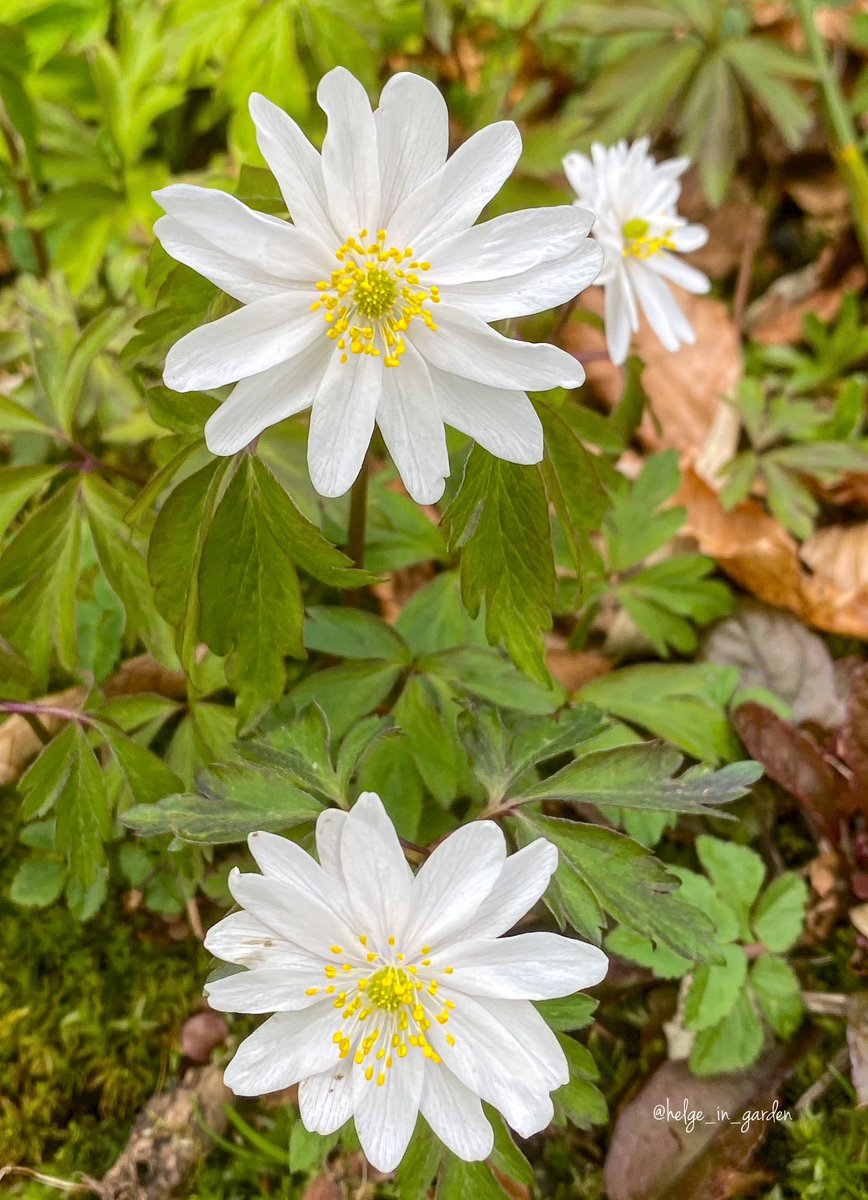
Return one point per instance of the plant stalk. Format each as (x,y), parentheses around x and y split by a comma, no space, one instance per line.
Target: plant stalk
(356,531)
(848,156)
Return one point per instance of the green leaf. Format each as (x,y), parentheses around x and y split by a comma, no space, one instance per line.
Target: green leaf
(346,693)
(67,778)
(500,522)
(17,485)
(634,528)
(488,674)
(235,800)
(124,565)
(683,704)
(640,777)
(38,882)
(147,778)
(458,1180)
(419,1165)
(779,915)
(630,884)
(423,713)
(251,606)
(41,564)
(665,963)
(776,987)
(352,633)
(579,1100)
(506,1156)
(731,1045)
(737,873)
(567,1014)
(715,989)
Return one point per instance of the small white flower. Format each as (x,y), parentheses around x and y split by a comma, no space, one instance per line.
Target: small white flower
(394,993)
(372,305)
(634,199)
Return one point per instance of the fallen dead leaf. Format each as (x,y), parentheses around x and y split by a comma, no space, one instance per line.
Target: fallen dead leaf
(857,1043)
(822,193)
(574,668)
(759,554)
(325,1187)
(853,737)
(773,649)
(654,1158)
(840,554)
(202,1033)
(686,389)
(776,317)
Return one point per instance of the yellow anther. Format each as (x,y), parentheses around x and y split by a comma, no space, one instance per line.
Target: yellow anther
(311,991)
(337,949)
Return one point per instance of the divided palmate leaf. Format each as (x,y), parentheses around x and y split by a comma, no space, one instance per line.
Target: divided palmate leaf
(500,522)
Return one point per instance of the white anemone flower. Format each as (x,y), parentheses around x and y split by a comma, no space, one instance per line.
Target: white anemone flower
(634,200)
(373,304)
(393,993)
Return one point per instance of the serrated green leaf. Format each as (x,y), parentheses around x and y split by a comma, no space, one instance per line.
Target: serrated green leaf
(779,915)
(731,1045)
(353,633)
(567,1014)
(235,800)
(500,522)
(38,882)
(737,873)
(776,987)
(714,989)
(630,884)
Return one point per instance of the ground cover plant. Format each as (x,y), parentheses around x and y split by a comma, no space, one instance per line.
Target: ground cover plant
(433,603)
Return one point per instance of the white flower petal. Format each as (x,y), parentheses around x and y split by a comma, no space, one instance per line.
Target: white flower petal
(412,428)
(349,154)
(523,878)
(690,237)
(342,421)
(266,399)
(242,344)
(455,1115)
(233,274)
(329,831)
(294,911)
(680,272)
(621,318)
(538,288)
(272,249)
(453,198)
(385,1116)
(526,1024)
(504,422)
(453,882)
(296,166)
(661,308)
(326,1101)
(412,137)
(510,244)
(528,966)
(240,938)
(269,989)
(377,874)
(464,345)
(495,1065)
(284,1049)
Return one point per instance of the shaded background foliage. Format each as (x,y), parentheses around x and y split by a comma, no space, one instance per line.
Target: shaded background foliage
(538,655)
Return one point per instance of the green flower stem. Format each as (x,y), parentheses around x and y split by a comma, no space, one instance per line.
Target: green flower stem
(846,148)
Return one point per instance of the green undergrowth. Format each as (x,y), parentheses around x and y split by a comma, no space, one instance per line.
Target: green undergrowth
(89,1020)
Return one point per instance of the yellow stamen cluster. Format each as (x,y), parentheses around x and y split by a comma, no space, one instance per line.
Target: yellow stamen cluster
(401,1003)
(639,244)
(370,299)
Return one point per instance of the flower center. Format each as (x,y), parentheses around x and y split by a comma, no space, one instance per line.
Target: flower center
(389,989)
(386,1007)
(638,242)
(371,297)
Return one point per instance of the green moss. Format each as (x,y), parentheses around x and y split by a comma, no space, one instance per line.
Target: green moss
(89,1018)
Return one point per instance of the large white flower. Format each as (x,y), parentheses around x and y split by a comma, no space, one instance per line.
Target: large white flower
(393,993)
(372,305)
(634,199)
